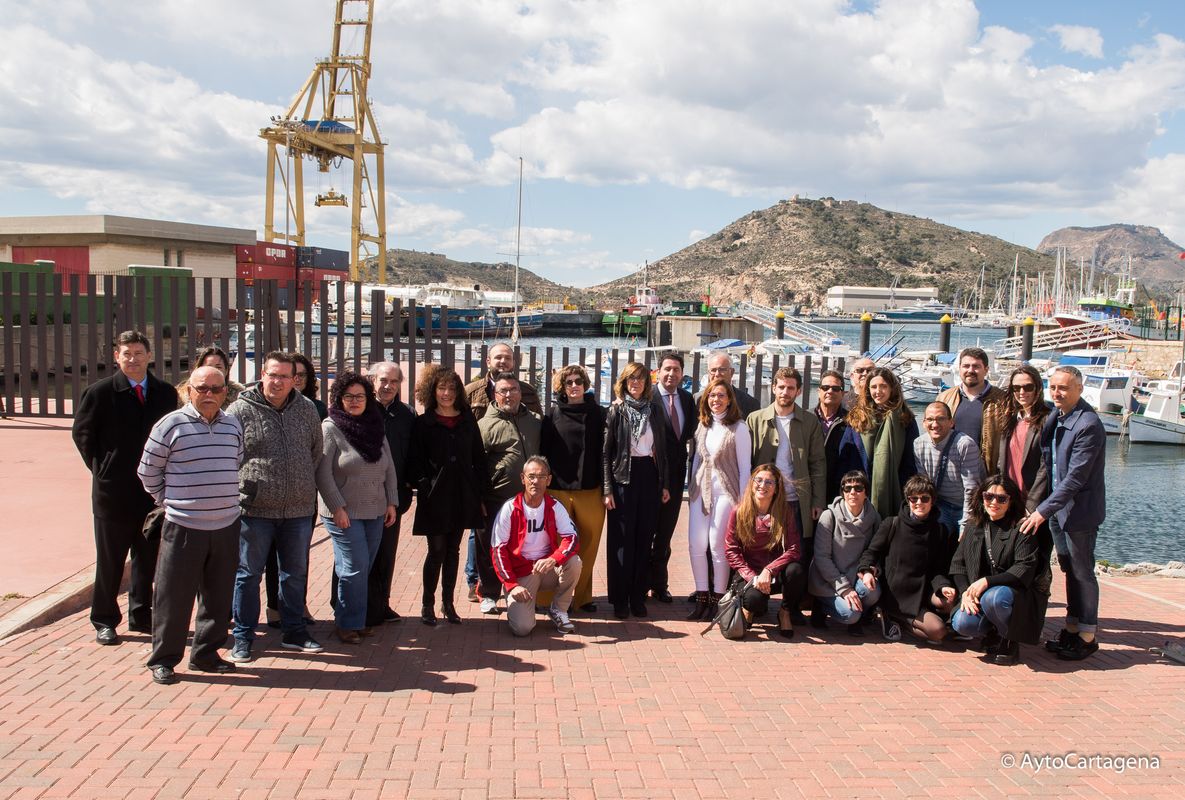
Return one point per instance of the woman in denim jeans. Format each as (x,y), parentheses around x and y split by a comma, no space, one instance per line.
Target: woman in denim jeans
(843,531)
(359,493)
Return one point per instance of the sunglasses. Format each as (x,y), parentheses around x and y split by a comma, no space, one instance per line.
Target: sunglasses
(918,498)
(1017,388)
(830,388)
(992,497)
(208,389)
(764,482)
(853,487)
(574,382)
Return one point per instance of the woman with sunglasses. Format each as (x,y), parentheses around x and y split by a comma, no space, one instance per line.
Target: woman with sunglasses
(633,481)
(842,533)
(1020,456)
(721,456)
(359,493)
(887,429)
(761,543)
(908,559)
(572,441)
(994,571)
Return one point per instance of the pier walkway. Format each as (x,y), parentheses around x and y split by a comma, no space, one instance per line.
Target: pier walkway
(795,327)
(638,709)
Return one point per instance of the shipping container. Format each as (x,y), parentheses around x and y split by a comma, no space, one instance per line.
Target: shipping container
(67,261)
(45,291)
(245,253)
(322,258)
(244,271)
(276,254)
(273,273)
(167,274)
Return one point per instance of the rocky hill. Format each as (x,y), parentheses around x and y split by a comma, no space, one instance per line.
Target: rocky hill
(799,248)
(1155,259)
(412,267)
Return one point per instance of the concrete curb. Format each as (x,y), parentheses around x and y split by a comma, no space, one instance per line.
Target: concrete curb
(61,600)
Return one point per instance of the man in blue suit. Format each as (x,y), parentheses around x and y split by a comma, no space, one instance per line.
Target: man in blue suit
(1074,447)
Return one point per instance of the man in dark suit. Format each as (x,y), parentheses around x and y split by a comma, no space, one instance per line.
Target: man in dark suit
(111,424)
(720,368)
(398,418)
(674,406)
(1074,448)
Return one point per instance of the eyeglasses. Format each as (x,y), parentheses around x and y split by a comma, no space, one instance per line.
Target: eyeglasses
(853,487)
(208,389)
(992,497)
(764,482)
(918,498)
(277,377)
(830,388)
(639,378)
(1023,387)
(934,420)
(353,397)
(507,392)
(300,374)
(862,370)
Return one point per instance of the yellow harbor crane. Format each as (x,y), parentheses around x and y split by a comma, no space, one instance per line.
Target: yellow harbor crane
(330,121)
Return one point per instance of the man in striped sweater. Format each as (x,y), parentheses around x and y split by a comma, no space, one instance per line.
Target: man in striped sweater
(190,467)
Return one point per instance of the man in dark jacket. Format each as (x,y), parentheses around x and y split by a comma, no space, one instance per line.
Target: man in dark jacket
(113,420)
(1074,445)
(674,406)
(841,447)
(398,418)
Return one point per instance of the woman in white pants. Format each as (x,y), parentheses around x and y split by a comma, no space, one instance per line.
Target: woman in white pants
(718,479)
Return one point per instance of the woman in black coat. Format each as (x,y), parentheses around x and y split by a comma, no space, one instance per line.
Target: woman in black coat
(910,554)
(995,570)
(448,469)
(573,441)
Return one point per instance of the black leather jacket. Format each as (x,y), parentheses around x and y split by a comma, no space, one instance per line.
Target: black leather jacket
(615,459)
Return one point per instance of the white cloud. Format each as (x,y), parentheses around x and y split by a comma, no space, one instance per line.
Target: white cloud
(695,235)
(1079,39)
(1151,195)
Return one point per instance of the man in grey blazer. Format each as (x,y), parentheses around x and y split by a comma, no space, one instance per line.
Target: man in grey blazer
(1074,447)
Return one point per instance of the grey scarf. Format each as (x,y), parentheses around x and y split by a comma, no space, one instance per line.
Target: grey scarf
(638,414)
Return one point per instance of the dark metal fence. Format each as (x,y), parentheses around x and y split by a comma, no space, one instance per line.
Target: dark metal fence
(54,344)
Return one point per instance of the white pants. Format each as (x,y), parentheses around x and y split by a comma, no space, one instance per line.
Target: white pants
(705,533)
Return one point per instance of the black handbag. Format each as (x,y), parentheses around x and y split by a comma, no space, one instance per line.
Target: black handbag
(729,613)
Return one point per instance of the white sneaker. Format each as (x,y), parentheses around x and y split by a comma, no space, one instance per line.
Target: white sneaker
(489,605)
(560,618)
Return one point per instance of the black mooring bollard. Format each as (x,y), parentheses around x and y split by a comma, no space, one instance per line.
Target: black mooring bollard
(780,325)
(944,326)
(1026,341)
(865,332)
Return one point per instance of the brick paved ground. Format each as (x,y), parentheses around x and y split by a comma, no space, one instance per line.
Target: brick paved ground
(643,709)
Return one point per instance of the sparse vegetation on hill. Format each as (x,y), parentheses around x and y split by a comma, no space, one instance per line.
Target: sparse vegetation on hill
(412,267)
(1155,258)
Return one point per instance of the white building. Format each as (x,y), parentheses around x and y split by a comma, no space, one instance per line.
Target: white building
(855,299)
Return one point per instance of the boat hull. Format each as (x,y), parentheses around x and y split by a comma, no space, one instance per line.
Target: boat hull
(1143,430)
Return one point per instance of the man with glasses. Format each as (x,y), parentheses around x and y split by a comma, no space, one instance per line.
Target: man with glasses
(861,368)
(980,410)
(841,444)
(788,437)
(278,493)
(720,369)
(1074,445)
(952,461)
(510,434)
(190,467)
(111,424)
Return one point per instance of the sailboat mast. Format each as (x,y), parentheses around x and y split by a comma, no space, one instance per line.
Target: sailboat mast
(518,233)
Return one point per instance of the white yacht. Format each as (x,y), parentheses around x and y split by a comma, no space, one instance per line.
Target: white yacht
(1107,388)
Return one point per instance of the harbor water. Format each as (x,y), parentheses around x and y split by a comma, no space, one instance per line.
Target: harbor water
(1139,527)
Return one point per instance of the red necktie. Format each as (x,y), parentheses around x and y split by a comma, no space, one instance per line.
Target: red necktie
(673,414)
(140,393)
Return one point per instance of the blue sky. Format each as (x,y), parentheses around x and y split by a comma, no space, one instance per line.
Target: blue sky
(643,125)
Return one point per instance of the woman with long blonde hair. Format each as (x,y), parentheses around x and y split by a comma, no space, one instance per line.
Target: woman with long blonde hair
(762,544)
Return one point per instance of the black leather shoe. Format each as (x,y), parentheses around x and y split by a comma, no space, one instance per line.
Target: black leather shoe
(391,615)
(638,609)
(589,608)
(450,613)
(1078,649)
(219,666)
(621,610)
(662,596)
(106,636)
(1007,653)
(427,615)
(163,675)
(1063,638)
(818,614)
(140,628)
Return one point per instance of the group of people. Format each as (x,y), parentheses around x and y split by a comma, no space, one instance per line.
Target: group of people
(842,509)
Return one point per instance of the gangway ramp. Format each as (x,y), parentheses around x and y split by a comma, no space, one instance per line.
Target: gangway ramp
(795,326)
(1087,333)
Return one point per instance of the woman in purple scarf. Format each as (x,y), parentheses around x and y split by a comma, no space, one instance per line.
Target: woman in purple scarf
(359,492)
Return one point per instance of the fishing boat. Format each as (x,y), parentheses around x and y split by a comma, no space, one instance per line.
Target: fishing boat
(1108,388)
(1162,421)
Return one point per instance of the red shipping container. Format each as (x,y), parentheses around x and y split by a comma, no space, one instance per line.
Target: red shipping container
(244,270)
(274,273)
(276,254)
(67,261)
(245,253)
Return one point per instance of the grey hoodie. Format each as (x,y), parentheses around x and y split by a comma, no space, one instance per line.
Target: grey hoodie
(840,540)
(281,450)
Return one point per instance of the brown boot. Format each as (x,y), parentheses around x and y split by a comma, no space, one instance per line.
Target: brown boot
(701,607)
